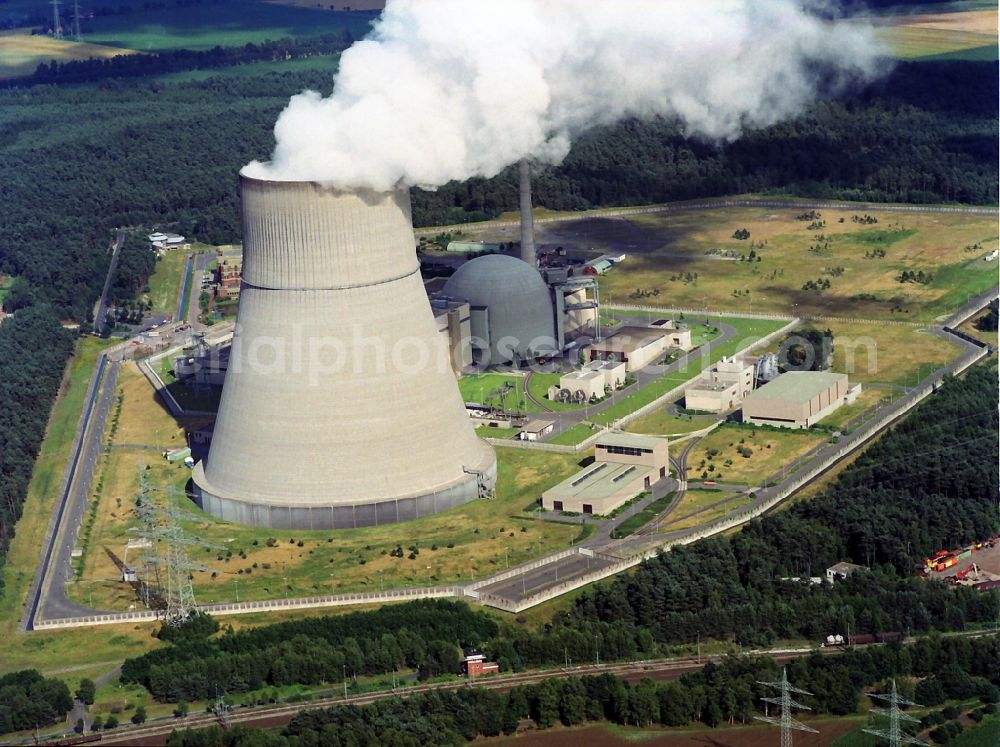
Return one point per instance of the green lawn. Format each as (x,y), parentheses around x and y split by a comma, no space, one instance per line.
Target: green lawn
(573,436)
(484,431)
(481,388)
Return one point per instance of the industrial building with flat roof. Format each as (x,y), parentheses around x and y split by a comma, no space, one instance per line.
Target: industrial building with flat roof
(638,347)
(593,381)
(798,399)
(723,387)
(625,465)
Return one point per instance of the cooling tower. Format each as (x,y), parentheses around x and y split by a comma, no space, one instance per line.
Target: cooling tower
(339,407)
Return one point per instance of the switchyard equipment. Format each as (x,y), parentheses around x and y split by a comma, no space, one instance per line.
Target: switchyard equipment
(339,407)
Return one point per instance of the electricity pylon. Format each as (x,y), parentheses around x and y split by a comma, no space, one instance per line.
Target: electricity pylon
(786,704)
(56,23)
(159,525)
(894,734)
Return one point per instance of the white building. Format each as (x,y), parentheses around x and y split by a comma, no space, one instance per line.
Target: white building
(594,380)
(723,387)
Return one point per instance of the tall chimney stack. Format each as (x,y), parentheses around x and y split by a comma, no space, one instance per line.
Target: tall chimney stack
(527,223)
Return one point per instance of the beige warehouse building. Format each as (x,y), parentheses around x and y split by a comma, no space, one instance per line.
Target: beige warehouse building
(625,465)
(798,399)
(638,347)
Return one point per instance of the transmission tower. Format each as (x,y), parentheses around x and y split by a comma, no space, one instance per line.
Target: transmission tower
(168,542)
(786,704)
(77,33)
(894,734)
(56,23)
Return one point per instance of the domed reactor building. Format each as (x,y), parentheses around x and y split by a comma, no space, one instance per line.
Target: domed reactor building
(339,407)
(510,315)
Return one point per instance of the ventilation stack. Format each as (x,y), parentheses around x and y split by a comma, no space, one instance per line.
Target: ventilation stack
(527,221)
(339,407)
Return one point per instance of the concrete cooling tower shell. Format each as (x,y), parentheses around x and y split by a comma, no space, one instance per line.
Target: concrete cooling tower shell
(339,407)
(513,302)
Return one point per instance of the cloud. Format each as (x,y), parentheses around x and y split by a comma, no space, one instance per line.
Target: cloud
(451,89)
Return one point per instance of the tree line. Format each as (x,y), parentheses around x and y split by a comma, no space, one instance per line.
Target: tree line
(725,693)
(425,635)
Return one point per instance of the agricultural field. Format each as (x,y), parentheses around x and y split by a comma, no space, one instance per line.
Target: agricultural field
(945,31)
(474,540)
(21,54)
(140,25)
(748,455)
(693,260)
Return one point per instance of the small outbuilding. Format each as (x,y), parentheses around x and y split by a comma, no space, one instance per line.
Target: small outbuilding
(840,571)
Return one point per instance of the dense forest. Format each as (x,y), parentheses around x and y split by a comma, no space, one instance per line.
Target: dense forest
(724,693)
(423,635)
(721,588)
(28,701)
(930,483)
(33,349)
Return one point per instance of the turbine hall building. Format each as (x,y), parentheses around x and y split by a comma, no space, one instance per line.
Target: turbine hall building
(798,399)
(339,407)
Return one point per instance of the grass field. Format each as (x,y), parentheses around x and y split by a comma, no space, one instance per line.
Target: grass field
(473,540)
(165,282)
(665,246)
(21,54)
(574,435)
(663,423)
(701,506)
(770,451)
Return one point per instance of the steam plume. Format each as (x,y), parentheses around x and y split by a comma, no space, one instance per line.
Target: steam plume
(450,89)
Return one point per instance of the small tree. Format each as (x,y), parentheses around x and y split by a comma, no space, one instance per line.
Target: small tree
(97,723)
(111,722)
(79,726)
(86,691)
(140,715)
(181,710)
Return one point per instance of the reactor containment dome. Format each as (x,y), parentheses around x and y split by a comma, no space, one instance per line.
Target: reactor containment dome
(510,309)
(339,407)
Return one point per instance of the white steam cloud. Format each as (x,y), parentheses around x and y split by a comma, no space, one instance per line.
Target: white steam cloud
(450,89)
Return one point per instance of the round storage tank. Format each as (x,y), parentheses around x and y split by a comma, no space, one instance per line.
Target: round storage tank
(511,309)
